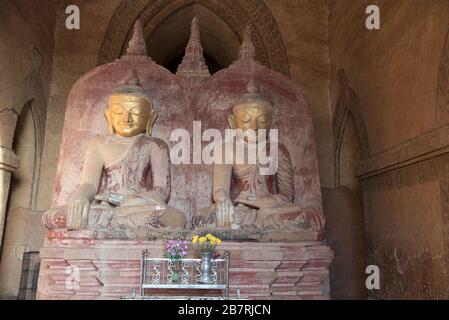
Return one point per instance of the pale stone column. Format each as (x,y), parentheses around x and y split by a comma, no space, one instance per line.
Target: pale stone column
(8,163)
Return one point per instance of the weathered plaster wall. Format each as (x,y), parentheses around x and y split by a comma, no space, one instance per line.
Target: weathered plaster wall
(304,28)
(395,72)
(26,47)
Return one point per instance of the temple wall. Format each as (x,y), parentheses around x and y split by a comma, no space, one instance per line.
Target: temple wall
(395,74)
(26,47)
(304,29)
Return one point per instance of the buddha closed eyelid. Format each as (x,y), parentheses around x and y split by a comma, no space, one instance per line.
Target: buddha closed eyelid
(137,110)
(117,109)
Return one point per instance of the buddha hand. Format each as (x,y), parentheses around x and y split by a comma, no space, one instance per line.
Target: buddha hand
(112,198)
(223,213)
(259,202)
(77,213)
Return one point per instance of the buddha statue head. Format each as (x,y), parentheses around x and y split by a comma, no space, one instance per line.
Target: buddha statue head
(130,111)
(251,112)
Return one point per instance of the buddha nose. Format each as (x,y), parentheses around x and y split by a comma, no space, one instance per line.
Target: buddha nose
(129,117)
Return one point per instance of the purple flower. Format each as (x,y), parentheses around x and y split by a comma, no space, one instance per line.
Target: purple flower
(176,249)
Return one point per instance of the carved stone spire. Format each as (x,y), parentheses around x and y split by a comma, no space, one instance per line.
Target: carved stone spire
(137,46)
(193,63)
(247,53)
(137,49)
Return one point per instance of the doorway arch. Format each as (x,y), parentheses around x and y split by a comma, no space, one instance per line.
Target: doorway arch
(225,21)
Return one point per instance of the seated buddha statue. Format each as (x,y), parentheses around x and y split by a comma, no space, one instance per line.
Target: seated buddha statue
(125,181)
(244,197)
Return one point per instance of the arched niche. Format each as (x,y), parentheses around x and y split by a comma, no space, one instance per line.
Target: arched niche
(166,43)
(32,96)
(343,205)
(167,27)
(24,181)
(22,229)
(348,119)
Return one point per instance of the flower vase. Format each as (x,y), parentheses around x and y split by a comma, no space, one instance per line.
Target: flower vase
(175,276)
(206,268)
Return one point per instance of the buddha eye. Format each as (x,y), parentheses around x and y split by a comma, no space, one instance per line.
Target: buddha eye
(137,111)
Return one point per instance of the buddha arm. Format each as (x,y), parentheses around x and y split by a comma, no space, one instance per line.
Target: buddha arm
(222,182)
(221,189)
(160,174)
(91,174)
(284,177)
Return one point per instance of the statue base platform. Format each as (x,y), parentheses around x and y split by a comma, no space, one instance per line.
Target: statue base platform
(78,267)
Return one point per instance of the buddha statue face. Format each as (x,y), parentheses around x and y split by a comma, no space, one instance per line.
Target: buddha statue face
(251,116)
(129,115)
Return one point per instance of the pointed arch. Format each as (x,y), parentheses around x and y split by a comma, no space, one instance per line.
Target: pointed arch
(36,100)
(347,107)
(234,14)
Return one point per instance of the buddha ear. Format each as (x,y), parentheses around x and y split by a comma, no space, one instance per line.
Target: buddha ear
(151,120)
(109,120)
(231,121)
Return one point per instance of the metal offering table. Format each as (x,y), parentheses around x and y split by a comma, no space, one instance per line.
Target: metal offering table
(157,274)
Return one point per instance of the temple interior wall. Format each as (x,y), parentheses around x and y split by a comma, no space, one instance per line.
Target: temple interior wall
(395,73)
(26,54)
(395,197)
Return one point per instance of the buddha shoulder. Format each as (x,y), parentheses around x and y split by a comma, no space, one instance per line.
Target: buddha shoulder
(99,143)
(99,140)
(157,143)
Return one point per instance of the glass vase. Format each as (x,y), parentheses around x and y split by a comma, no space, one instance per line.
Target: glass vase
(174,271)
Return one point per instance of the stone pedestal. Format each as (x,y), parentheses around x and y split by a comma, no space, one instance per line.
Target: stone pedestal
(110,269)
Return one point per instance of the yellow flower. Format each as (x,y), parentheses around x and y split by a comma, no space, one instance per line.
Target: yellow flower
(209,236)
(195,239)
(213,241)
(202,239)
(218,241)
